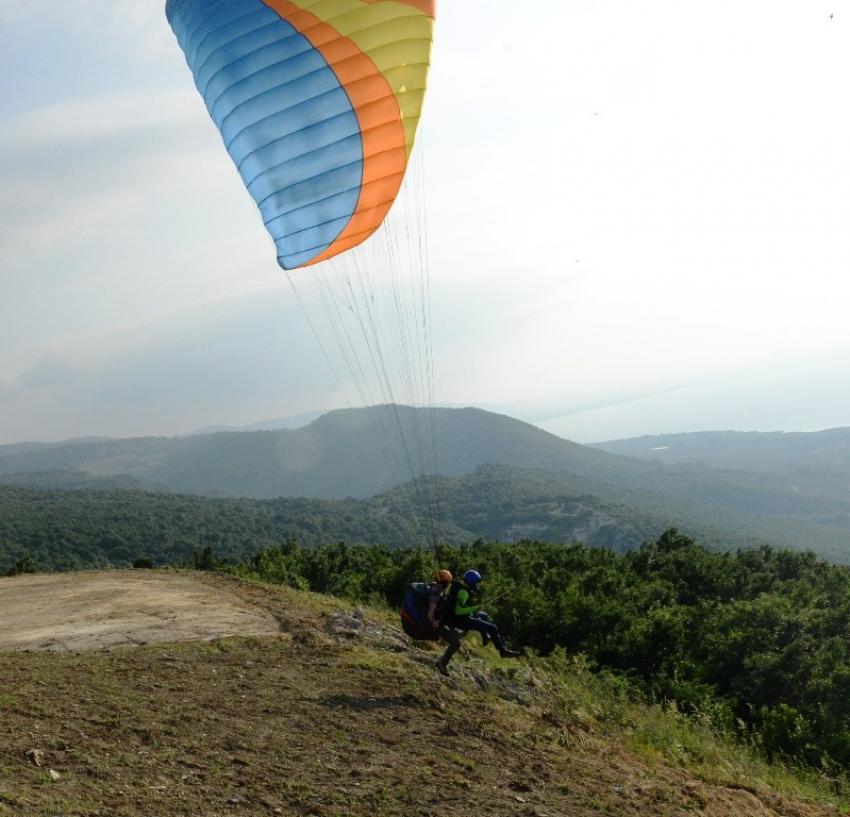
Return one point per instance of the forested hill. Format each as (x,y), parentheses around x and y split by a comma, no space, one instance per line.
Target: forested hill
(69,529)
(339,455)
(345,454)
(813,463)
(61,530)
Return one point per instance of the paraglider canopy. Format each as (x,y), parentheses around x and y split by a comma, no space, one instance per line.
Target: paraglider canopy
(318,105)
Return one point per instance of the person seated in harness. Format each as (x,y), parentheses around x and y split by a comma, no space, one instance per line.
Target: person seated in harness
(461,614)
(437,600)
(423,606)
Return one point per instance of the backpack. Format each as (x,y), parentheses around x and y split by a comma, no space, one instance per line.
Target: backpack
(414,612)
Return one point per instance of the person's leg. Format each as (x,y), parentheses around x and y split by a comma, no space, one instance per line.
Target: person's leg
(452,638)
(485,628)
(485,637)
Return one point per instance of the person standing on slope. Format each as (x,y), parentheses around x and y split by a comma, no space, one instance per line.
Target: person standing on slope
(461,613)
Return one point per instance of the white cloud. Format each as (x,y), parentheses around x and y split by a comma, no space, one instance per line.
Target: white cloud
(619,193)
(82,169)
(228,361)
(49,370)
(114,210)
(112,25)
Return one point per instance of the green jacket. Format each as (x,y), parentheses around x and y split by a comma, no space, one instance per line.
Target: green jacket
(461,602)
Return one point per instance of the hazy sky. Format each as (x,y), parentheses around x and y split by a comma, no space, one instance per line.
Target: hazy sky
(638,218)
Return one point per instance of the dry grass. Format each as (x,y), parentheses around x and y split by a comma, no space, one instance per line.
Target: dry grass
(323,720)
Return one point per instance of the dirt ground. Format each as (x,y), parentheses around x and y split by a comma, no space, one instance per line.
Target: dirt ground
(329,714)
(96,609)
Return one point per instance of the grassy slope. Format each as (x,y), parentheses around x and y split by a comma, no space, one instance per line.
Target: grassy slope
(337,716)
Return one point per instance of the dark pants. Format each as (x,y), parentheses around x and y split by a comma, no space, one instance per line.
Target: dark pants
(452,637)
(478,625)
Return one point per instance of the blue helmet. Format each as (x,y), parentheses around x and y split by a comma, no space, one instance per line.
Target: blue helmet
(472,577)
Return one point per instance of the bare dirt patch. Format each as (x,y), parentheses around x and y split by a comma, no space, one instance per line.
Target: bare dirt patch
(94,610)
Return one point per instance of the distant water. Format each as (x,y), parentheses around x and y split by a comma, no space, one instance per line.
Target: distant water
(807,397)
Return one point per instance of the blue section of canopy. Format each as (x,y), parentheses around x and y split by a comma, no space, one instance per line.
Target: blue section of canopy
(286,120)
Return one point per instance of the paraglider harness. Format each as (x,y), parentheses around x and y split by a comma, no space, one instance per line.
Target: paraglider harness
(414,612)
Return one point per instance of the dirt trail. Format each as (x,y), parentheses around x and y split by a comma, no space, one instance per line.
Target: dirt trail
(93,610)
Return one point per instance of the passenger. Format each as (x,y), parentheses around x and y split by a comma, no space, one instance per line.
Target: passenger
(462,615)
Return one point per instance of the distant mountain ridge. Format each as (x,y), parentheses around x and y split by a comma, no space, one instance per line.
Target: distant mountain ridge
(295,421)
(336,456)
(815,463)
(339,455)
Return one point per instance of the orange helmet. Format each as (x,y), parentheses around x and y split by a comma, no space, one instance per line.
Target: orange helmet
(443,577)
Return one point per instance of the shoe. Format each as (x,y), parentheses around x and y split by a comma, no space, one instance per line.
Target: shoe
(441,668)
(506,653)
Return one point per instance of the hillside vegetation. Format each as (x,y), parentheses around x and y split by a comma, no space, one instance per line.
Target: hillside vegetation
(755,639)
(338,716)
(62,530)
(339,456)
(72,529)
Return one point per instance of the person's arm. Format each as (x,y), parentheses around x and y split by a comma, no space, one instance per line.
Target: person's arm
(462,606)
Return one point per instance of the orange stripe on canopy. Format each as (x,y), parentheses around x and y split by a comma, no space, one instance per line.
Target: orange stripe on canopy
(379,117)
